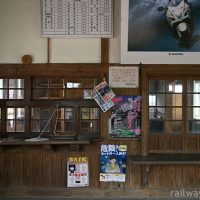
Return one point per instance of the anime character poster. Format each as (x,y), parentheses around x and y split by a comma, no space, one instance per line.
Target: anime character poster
(77,172)
(113,163)
(160,31)
(126,116)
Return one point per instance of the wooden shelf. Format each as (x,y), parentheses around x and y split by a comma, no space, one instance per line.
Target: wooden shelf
(165,159)
(50,142)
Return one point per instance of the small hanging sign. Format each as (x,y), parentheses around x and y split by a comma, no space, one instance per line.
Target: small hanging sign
(103,95)
(124,77)
(77,171)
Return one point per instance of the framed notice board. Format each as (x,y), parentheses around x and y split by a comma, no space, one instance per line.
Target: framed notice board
(72,18)
(123,77)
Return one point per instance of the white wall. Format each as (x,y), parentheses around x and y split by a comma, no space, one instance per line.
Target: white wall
(20,34)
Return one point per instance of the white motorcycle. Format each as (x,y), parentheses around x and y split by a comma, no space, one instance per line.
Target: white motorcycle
(179,17)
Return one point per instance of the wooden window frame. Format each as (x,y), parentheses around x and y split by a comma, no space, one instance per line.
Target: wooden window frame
(190,142)
(51,71)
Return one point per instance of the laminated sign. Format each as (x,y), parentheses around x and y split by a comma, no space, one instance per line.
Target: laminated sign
(77,172)
(113,163)
(103,95)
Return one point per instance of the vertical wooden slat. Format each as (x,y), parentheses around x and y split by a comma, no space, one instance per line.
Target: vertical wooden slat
(179,177)
(134,147)
(64,170)
(8,169)
(18,167)
(153,142)
(47,170)
(152,178)
(164,178)
(37,169)
(177,142)
(134,176)
(144,112)
(2,169)
(197,176)
(104,50)
(57,170)
(27,174)
(191,143)
(94,170)
(189,176)
(165,142)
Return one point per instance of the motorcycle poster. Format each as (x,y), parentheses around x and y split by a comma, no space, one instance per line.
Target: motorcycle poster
(160,32)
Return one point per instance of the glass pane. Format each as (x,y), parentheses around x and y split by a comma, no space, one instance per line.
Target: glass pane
(94,113)
(156,100)
(173,126)
(85,109)
(60,126)
(156,86)
(43,125)
(174,86)
(193,113)
(173,113)
(73,85)
(156,112)
(194,126)
(87,94)
(40,94)
(16,94)
(160,99)
(156,126)
(10,113)
(16,83)
(10,127)
(174,100)
(68,113)
(41,83)
(44,113)
(3,94)
(85,113)
(20,126)
(152,100)
(68,126)
(85,116)
(193,86)
(20,113)
(193,99)
(56,83)
(3,83)
(64,126)
(85,126)
(94,126)
(56,94)
(35,126)
(35,113)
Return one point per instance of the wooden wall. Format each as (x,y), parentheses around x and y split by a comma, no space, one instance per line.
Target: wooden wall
(44,169)
(39,167)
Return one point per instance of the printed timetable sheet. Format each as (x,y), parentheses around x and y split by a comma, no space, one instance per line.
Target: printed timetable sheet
(77,18)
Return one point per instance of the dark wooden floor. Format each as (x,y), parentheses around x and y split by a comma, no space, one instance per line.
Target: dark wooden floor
(85,194)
